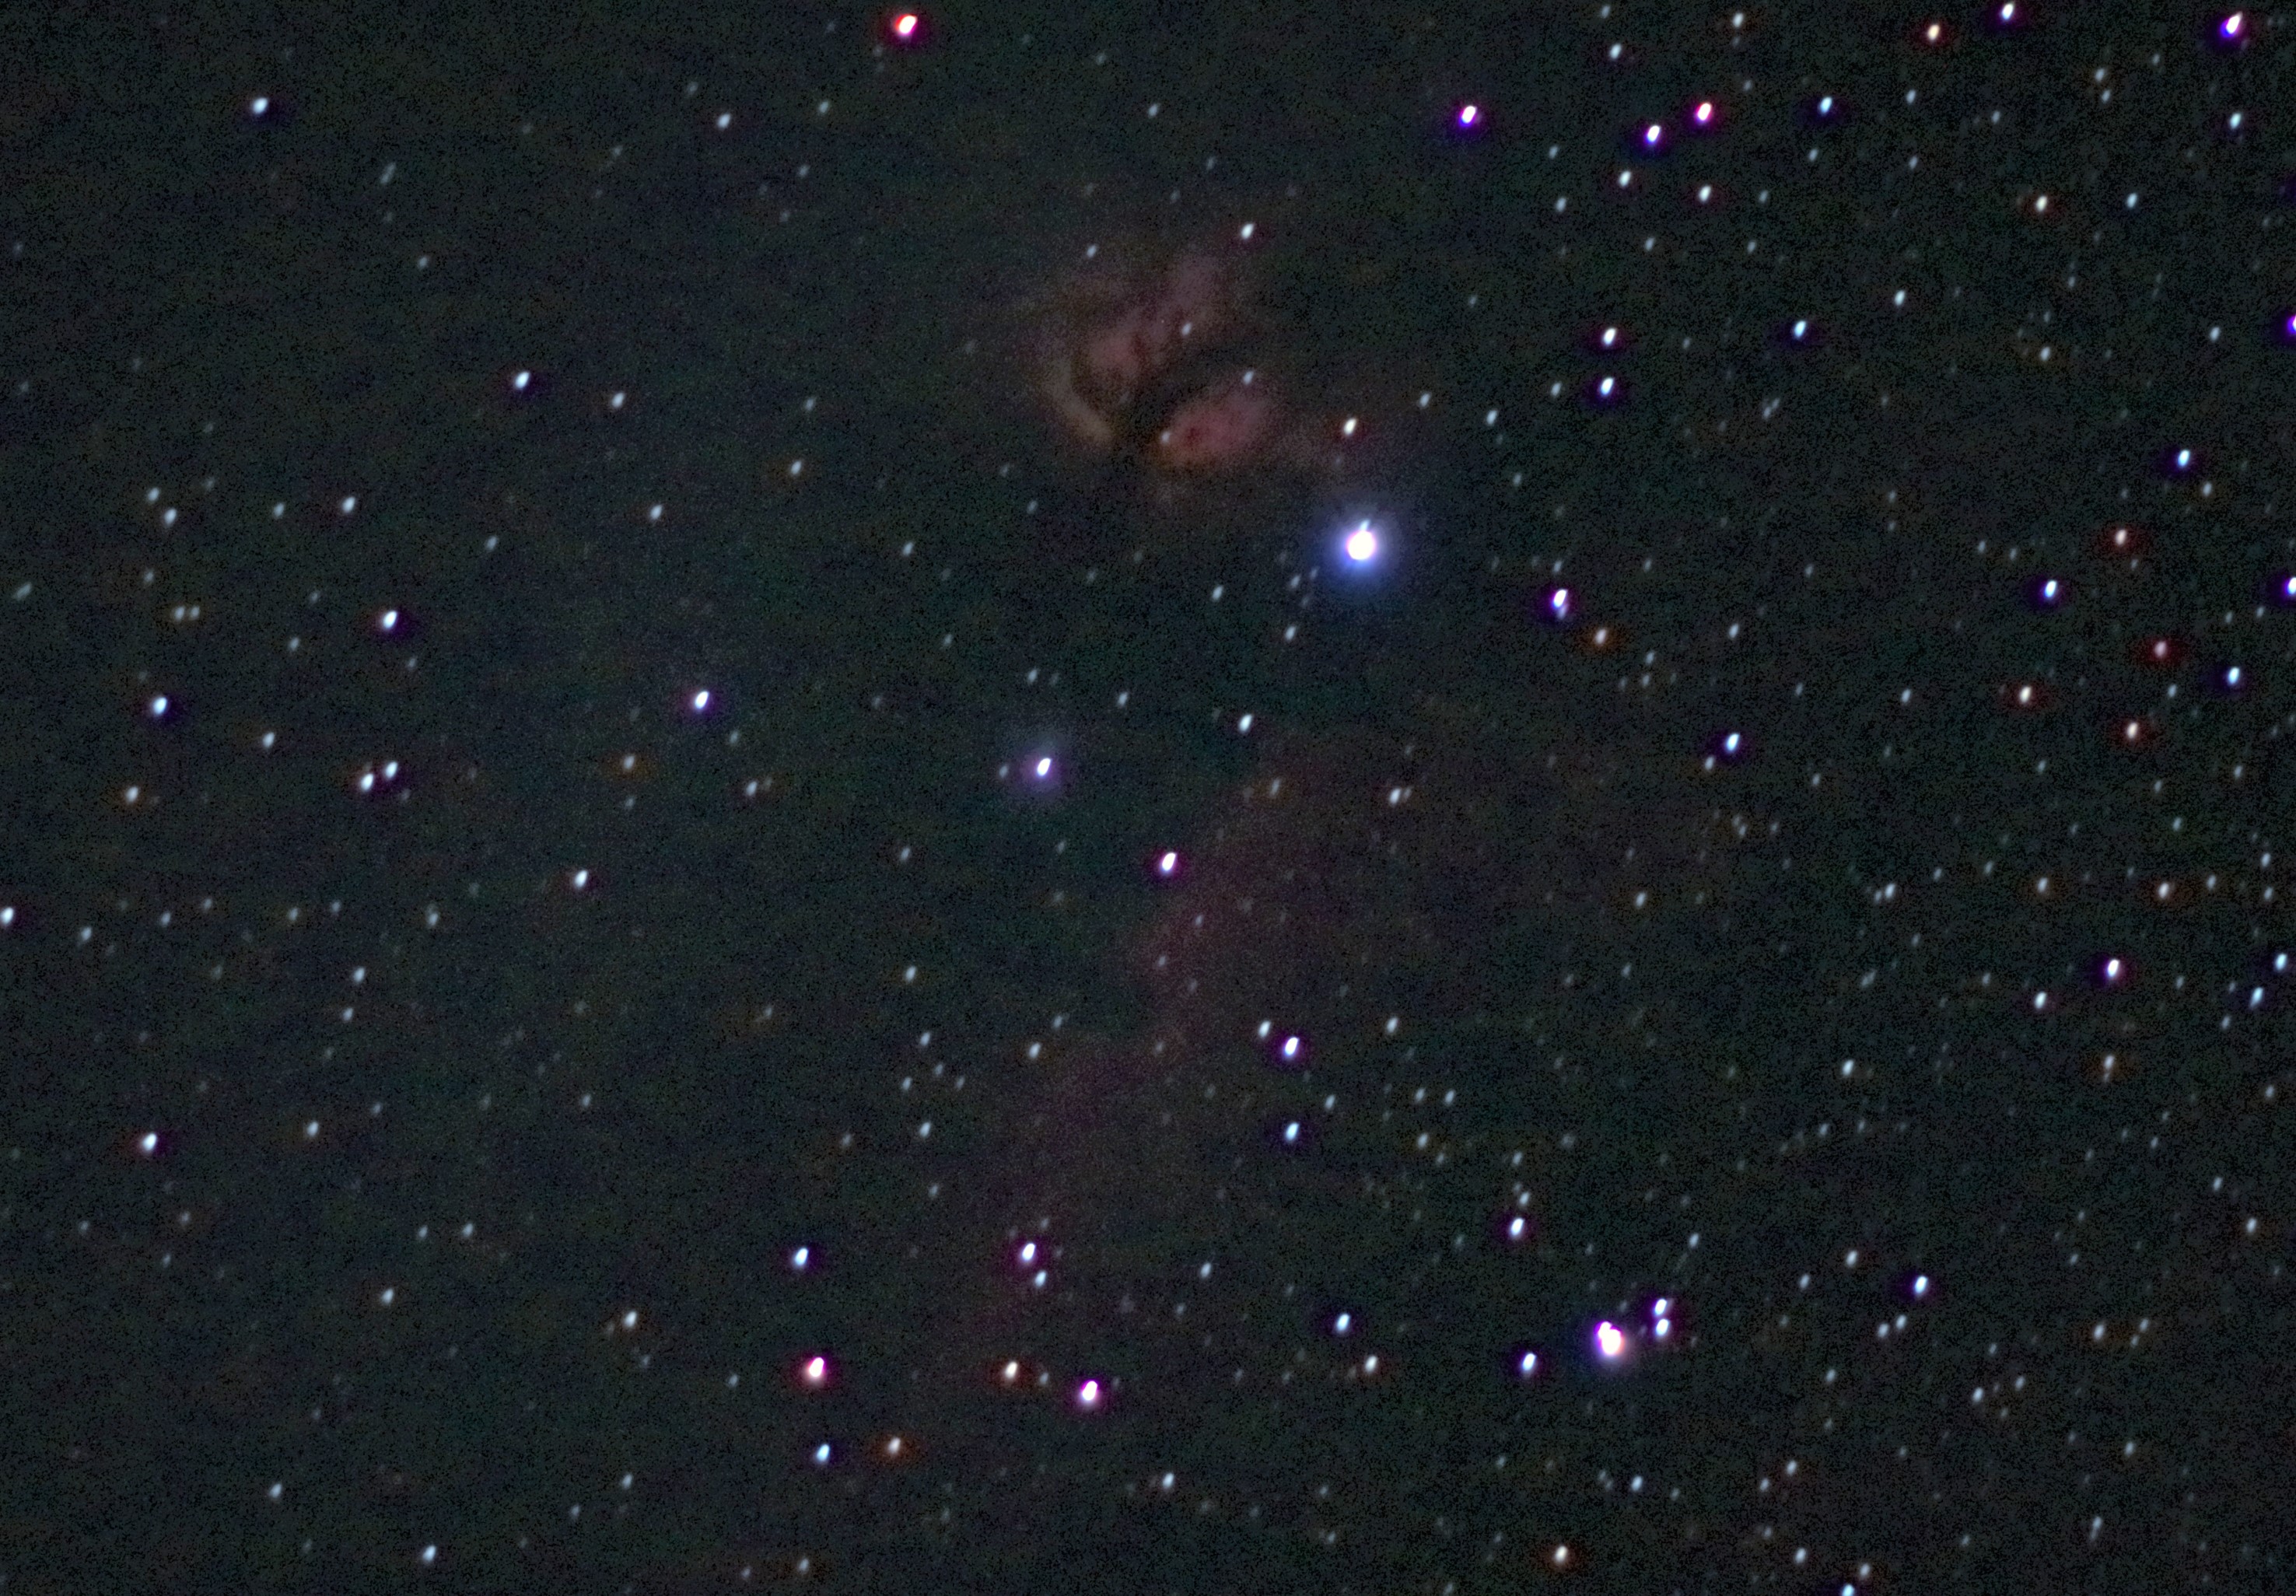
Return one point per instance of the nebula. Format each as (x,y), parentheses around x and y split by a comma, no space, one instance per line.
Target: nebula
(1220,426)
(1165,368)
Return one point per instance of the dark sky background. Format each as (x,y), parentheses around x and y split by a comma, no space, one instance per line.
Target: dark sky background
(1720,1017)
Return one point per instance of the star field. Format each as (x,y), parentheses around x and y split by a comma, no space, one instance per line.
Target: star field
(1184,801)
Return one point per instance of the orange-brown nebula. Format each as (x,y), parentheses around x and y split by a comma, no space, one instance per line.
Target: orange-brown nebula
(1162,367)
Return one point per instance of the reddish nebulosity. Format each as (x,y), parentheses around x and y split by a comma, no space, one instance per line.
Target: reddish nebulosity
(1218,427)
(1357,875)
(1110,1157)
(1164,368)
(1294,902)
(1191,307)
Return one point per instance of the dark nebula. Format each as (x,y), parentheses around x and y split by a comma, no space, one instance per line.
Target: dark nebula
(1131,798)
(1353,878)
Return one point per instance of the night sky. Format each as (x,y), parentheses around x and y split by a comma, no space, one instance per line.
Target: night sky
(1226,798)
